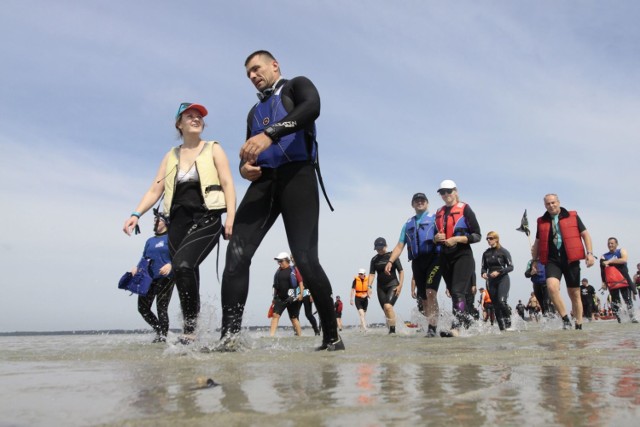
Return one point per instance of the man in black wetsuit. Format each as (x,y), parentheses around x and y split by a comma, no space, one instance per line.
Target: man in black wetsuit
(279,160)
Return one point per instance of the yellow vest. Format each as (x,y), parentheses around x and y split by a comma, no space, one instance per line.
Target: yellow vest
(209,180)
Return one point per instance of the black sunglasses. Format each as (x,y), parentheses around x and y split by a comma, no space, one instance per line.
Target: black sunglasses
(447,191)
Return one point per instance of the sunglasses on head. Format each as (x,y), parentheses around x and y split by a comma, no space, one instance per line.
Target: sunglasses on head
(445,191)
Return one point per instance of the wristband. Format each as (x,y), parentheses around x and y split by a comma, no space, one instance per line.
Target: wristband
(136,214)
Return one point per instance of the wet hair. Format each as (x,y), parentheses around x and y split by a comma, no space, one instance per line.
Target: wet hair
(614,239)
(496,237)
(261,53)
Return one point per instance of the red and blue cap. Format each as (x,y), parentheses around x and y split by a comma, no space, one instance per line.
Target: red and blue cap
(189,105)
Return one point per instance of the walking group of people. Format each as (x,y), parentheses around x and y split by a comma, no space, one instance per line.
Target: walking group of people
(439,247)
(279,158)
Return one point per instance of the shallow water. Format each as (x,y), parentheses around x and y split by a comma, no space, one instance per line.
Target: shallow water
(538,375)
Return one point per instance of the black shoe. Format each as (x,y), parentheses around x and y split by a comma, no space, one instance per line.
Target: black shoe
(446,334)
(566,323)
(332,346)
(431,332)
(159,339)
(578,327)
(227,344)
(392,329)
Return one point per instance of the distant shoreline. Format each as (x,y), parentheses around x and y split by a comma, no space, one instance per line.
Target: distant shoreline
(138,331)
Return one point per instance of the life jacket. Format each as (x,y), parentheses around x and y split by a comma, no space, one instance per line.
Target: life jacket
(294,288)
(614,278)
(294,147)
(571,239)
(362,287)
(540,278)
(486,298)
(456,224)
(419,237)
(209,179)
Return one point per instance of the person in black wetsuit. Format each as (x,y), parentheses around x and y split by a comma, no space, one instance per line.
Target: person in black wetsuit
(496,266)
(457,228)
(389,286)
(279,158)
(197,185)
(588,295)
(157,249)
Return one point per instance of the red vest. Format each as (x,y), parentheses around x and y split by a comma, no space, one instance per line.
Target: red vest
(456,225)
(570,237)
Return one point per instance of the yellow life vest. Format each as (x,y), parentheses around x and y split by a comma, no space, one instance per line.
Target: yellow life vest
(209,180)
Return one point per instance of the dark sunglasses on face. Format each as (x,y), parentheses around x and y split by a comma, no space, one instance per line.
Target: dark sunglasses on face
(490,238)
(447,191)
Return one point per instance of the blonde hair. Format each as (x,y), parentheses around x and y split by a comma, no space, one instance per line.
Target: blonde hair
(496,237)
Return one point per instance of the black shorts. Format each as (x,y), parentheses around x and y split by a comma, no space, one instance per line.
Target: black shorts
(362,303)
(292,306)
(426,273)
(570,271)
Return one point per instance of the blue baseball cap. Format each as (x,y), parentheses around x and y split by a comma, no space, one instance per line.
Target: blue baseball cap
(188,105)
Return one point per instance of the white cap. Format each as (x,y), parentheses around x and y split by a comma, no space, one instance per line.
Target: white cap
(282,255)
(362,271)
(447,184)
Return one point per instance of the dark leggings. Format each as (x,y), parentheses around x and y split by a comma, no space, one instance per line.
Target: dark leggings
(615,300)
(499,293)
(387,294)
(192,236)
(308,312)
(160,290)
(457,272)
(290,190)
(542,295)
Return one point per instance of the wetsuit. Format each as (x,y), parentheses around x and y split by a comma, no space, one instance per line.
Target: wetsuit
(386,283)
(193,233)
(587,294)
(625,292)
(499,259)
(157,249)
(458,265)
(308,310)
(290,189)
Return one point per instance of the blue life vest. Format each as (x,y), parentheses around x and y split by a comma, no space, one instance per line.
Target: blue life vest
(293,147)
(419,237)
(540,278)
(612,255)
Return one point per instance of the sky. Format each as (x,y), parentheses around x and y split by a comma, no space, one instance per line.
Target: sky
(511,100)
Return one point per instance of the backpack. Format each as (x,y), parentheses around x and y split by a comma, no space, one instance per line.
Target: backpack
(140,282)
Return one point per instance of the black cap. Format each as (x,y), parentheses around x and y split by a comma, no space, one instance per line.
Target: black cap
(419,196)
(380,242)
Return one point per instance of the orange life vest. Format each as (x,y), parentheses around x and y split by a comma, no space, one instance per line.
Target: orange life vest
(362,286)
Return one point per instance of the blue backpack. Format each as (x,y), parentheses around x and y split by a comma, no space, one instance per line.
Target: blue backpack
(140,282)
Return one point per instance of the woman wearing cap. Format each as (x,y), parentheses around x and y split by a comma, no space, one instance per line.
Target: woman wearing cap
(197,185)
(496,266)
(389,286)
(287,293)
(157,250)
(360,293)
(457,228)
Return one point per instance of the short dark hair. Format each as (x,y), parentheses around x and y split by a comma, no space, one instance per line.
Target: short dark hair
(259,52)
(614,239)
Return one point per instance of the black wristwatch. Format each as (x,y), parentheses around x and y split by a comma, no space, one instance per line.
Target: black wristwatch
(270,132)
